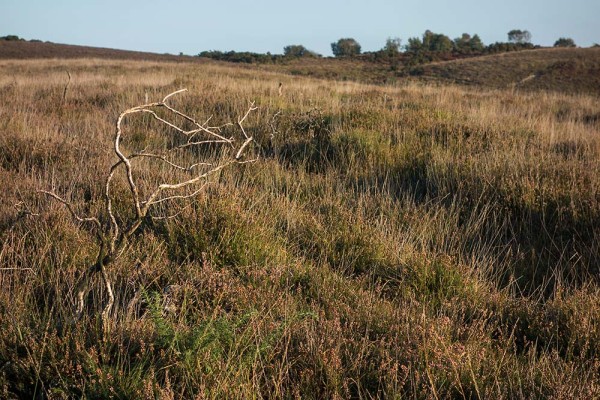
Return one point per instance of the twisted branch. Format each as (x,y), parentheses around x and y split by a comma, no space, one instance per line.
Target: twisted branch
(114,233)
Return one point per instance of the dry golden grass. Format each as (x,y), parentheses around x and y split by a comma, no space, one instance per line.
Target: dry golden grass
(404,241)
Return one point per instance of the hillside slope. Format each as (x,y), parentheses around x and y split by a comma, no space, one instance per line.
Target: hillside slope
(562,70)
(27,50)
(565,70)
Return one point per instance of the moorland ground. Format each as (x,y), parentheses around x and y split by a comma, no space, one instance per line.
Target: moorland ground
(400,241)
(564,70)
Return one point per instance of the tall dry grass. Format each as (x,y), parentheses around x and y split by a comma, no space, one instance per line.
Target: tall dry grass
(405,241)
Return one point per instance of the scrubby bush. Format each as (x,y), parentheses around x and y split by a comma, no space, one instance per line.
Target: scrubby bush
(11,38)
(519,36)
(467,43)
(564,42)
(346,47)
(241,57)
(297,50)
(392,46)
(435,42)
(502,47)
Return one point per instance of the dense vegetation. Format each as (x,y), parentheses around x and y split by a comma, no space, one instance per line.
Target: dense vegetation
(431,47)
(404,241)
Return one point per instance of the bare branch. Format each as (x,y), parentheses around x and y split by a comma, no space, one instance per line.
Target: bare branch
(173,94)
(189,144)
(174,186)
(176,197)
(92,220)
(23,209)
(164,159)
(164,121)
(250,109)
(211,131)
(115,233)
(241,150)
(132,186)
(114,226)
(177,128)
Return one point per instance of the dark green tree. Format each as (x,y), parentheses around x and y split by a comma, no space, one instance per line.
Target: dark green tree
(564,42)
(462,43)
(467,43)
(345,47)
(296,50)
(12,38)
(392,46)
(434,42)
(519,36)
(414,45)
(476,43)
(437,42)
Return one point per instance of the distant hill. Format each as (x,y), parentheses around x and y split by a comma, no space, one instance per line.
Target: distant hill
(24,50)
(569,70)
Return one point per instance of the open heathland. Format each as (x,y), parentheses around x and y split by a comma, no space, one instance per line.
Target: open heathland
(570,70)
(402,241)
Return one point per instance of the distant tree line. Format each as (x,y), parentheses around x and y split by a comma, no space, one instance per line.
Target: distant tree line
(289,52)
(12,38)
(429,47)
(418,49)
(241,56)
(297,50)
(15,38)
(433,46)
(467,44)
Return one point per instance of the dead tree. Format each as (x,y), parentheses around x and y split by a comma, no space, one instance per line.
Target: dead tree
(113,234)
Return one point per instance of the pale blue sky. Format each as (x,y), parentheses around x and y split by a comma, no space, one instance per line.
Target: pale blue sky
(269,25)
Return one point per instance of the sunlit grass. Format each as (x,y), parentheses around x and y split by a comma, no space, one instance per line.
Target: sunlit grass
(392,241)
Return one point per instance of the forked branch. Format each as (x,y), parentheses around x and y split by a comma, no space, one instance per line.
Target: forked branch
(114,231)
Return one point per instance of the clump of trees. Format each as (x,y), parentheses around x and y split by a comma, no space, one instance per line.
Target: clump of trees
(504,47)
(12,38)
(346,47)
(392,46)
(468,44)
(519,36)
(240,57)
(564,42)
(434,42)
(247,57)
(429,47)
(297,50)
(437,42)
(517,40)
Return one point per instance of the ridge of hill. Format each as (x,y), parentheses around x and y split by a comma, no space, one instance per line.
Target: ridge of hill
(573,70)
(26,50)
(570,70)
